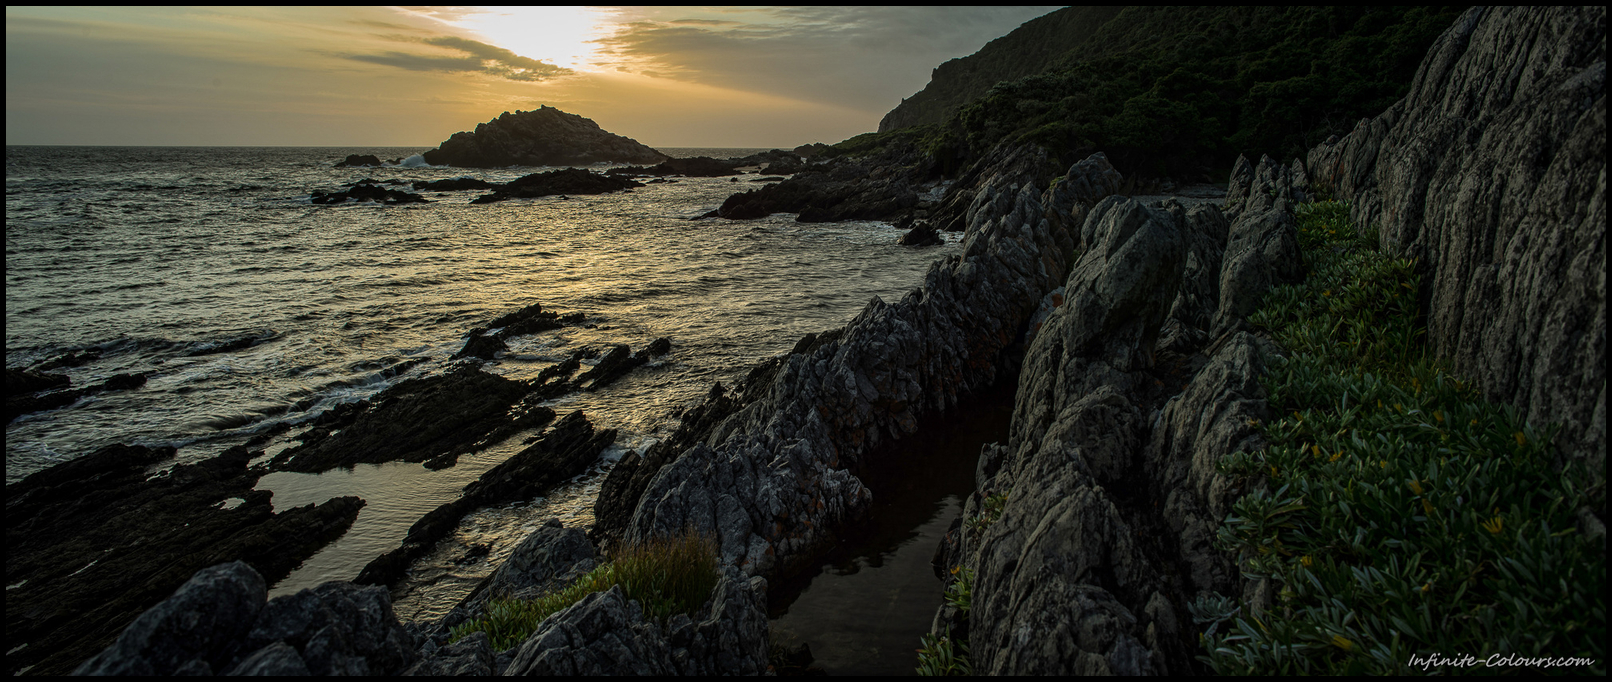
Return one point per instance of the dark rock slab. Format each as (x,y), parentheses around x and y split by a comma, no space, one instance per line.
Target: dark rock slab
(91,543)
(453,184)
(1490,173)
(368,190)
(358,160)
(23,402)
(564,451)
(567,181)
(543,137)
(414,421)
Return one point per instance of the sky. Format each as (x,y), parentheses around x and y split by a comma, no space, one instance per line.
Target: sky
(413,76)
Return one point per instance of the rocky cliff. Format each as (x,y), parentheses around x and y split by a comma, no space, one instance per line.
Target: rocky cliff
(1030,49)
(1491,173)
(542,137)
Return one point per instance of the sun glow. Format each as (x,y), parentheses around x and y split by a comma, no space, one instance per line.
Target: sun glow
(558,35)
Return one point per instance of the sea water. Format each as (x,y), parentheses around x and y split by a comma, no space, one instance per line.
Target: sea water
(154,258)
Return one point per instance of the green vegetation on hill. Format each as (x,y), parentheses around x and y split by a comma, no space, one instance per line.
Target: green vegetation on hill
(1405,515)
(1180,92)
(1028,50)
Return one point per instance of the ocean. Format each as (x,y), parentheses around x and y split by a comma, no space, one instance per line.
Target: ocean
(247,306)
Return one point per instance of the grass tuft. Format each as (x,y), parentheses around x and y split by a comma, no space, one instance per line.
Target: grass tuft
(666,576)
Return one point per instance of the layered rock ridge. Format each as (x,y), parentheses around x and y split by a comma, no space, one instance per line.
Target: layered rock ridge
(1491,174)
(772,479)
(1091,528)
(542,137)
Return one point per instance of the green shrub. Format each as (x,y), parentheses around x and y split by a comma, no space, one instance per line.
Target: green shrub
(1410,515)
(941,656)
(960,593)
(665,576)
(990,511)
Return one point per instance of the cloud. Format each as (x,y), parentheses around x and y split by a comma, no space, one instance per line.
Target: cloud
(862,57)
(477,57)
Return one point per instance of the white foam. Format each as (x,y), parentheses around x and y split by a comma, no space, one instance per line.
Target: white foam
(416,161)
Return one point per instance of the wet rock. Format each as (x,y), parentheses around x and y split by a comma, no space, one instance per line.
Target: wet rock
(1490,175)
(72,359)
(543,137)
(413,421)
(846,190)
(91,543)
(922,234)
(566,181)
(21,404)
(453,184)
(564,451)
(368,190)
(694,167)
(358,160)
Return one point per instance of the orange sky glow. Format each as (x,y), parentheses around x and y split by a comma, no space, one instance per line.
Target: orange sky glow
(412,76)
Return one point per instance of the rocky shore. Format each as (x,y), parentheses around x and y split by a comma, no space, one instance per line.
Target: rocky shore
(1123,325)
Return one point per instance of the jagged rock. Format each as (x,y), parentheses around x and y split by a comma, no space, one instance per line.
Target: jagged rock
(471,656)
(561,453)
(1085,184)
(922,234)
(1214,416)
(810,150)
(36,392)
(607,634)
(548,558)
(195,630)
(368,190)
(694,167)
(337,628)
(414,421)
(1192,315)
(1110,514)
(1490,173)
(91,543)
(543,137)
(1262,244)
(566,181)
(359,160)
(218,621)
(21,381)
(771,481)
(847,189)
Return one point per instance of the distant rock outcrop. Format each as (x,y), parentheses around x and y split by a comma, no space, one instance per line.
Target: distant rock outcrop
(542,137)
(1491,174)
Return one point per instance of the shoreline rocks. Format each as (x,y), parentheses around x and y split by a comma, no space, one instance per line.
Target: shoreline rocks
(91,543)
(564,181)
(773,479)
